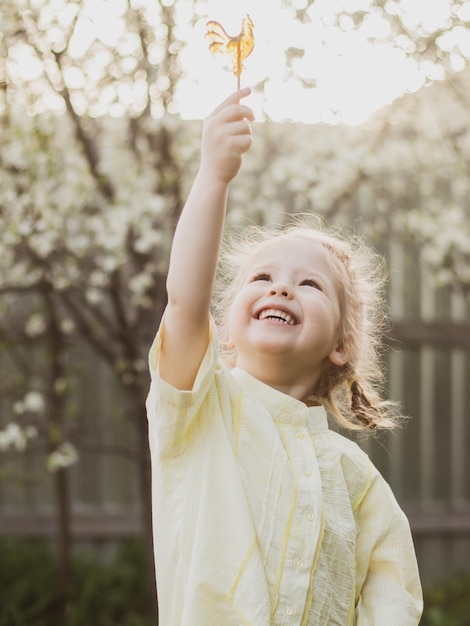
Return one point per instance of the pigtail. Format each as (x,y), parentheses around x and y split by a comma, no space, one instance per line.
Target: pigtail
(363,410)
(354,403)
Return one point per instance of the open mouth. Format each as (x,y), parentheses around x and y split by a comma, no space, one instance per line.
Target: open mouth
(277,316)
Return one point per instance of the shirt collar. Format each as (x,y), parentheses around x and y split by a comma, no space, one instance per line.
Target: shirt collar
(282,407)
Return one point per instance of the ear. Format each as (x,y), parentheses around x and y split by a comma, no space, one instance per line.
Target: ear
(340,355)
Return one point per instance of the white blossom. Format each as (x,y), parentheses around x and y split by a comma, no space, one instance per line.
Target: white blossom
(67,326)
(139,284)
(64,456)
(36,325)
(13,436)
(149,240)
(94,296)
(98,278)
(33,402)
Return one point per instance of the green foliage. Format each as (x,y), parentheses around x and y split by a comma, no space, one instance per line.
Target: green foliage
(103,594)
(448,604)
(28,595)
(112,594)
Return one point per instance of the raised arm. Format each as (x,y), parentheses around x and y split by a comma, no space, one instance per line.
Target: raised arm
(194,255)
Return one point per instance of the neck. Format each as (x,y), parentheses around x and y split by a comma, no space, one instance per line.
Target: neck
(281,376)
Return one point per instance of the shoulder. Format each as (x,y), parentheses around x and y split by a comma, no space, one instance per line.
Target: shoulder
(367,488)
(349,450)
(178,419)
(205,374)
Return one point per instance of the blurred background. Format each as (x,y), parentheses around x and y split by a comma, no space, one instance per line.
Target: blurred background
(363,111)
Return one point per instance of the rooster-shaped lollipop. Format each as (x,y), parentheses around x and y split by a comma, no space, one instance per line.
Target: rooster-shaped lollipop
(238,47)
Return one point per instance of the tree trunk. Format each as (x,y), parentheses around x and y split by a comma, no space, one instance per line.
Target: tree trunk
(64,539)
(56,412)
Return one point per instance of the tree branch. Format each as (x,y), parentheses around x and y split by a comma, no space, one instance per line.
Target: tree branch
(102,346)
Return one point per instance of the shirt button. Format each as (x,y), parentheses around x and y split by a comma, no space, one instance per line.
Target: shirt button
(299,563)
(299,434)
(307,473)
(290,610)
(311,516)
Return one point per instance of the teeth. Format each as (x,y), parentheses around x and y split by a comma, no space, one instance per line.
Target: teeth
(278,315)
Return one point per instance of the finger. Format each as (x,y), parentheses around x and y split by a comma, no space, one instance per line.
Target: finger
(234,112)
(242,142)
(245,142)
(241,127)
(237,96)
(234,98)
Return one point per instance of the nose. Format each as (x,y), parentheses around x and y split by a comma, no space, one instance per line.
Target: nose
(280,289)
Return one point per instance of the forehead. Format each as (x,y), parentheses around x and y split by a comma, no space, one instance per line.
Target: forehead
(302,252)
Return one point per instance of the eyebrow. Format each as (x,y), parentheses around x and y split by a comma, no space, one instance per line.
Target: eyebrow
(323,278)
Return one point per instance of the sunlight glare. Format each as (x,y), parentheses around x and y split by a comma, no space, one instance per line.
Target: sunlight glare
(347,78)
(337,74)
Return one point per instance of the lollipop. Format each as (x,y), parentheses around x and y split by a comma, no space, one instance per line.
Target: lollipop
(238,47)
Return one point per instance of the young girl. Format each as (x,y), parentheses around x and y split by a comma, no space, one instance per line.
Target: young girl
(262,515)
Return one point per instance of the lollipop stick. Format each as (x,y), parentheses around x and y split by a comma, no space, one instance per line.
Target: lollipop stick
(239,64)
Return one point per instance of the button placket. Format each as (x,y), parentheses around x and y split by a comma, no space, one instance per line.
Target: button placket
(304,532)
(299,563)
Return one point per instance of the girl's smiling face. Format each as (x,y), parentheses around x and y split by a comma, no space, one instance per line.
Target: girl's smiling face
(288,309)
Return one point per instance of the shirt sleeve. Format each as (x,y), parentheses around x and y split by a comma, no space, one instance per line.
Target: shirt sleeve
(171,412)
(390,593)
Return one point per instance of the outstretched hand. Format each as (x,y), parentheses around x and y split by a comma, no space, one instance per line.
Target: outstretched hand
(226,136)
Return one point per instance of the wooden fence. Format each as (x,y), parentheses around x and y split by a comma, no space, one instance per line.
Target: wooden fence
(427,462)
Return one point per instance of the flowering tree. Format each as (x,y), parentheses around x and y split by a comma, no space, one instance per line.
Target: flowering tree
(436,39)
(87,206)
(434,161)
(94,167)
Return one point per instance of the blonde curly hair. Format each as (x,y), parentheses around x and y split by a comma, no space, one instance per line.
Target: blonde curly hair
(353,391)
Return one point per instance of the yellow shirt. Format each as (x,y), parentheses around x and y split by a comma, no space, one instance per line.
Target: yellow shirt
(264,516)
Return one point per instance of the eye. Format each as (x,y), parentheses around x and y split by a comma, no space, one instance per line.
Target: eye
(261,276)
(309,282)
